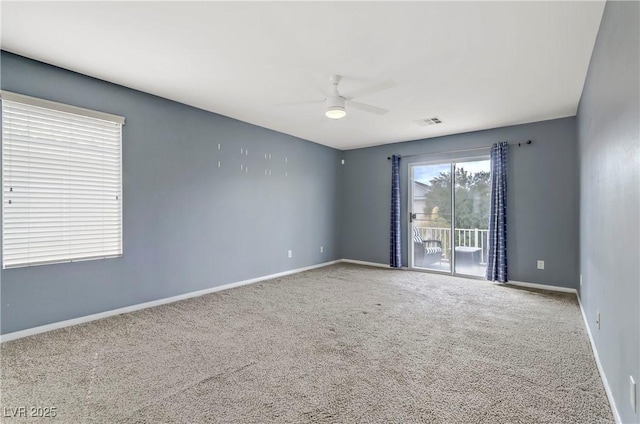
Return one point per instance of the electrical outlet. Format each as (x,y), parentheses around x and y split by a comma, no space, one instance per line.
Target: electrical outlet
(540,264)
(290,253)
(633,397)
(598,319)
(321,249)
(580,280)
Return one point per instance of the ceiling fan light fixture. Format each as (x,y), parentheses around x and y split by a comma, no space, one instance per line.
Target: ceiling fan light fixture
(335,112)
(335,106)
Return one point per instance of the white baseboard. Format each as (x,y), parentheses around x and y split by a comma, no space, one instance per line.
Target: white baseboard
(88,318)
(542,287)
(376,264)
(607,389)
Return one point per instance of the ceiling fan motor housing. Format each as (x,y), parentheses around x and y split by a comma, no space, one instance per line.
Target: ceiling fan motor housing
(335,107)
(335,101)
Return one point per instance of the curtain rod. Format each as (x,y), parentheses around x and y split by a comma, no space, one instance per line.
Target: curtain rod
(461,150)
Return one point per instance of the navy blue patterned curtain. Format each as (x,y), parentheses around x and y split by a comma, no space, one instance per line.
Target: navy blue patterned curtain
(497,256)
(395,251)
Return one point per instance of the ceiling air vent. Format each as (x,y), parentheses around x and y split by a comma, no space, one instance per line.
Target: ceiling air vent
(429,121)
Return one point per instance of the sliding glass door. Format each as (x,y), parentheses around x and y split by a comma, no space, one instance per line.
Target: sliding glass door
(449,215)
(430,218)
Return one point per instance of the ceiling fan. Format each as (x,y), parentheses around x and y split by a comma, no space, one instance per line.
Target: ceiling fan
(336,104)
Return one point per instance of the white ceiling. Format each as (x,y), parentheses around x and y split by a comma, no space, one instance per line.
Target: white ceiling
(476,65)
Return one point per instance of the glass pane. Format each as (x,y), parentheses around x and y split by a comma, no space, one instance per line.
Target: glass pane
(472,199)
(431,227)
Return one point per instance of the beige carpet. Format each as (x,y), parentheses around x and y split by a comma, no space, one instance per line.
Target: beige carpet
(342,344)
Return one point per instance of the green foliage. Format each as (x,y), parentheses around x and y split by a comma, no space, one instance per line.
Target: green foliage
(472,193)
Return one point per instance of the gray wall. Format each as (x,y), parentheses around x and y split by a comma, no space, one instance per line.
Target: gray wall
(188,225)
(542,198)
(609,152)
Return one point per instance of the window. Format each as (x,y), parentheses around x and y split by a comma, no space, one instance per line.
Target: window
(62,182)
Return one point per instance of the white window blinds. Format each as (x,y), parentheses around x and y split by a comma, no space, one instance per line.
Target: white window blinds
(62,183)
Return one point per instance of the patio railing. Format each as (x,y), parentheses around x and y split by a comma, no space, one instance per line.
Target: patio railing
(466,237)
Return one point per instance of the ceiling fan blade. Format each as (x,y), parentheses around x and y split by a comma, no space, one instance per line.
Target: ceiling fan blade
(306,102)
(367,108)
(365,91)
